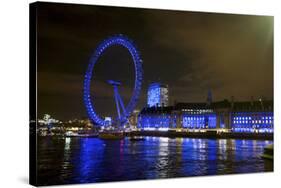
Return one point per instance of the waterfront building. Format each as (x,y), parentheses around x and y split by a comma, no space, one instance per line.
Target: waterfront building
(160,118)
(252,116)
(221,116)
(157,95)
(185,116)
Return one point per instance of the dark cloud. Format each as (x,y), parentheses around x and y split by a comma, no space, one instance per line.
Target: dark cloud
(190,51)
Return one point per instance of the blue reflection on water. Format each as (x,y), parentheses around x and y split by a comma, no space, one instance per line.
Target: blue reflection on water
(83,160)
(90,150)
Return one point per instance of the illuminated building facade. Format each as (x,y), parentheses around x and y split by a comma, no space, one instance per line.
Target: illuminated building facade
(196,116)
(157,95)
(160,118)
(188,116)
(252,117)
(241,117)
(259,122)
(199,121)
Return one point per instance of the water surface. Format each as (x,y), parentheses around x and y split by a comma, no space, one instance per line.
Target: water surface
(86,160)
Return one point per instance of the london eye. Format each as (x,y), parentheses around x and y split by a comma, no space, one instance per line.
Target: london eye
(123,111)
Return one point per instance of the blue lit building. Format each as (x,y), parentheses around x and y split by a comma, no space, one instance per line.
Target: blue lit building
(188,116)
(196,116)
(160,118)
(226,116)
(252,122)
(157,95)
(253,117)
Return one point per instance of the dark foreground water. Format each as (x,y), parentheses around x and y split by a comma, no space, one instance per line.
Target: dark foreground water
(85,160)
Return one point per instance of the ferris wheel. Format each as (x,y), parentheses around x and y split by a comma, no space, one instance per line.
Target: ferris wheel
(123,111)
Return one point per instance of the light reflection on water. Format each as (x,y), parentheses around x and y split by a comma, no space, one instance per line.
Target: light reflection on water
(84,160)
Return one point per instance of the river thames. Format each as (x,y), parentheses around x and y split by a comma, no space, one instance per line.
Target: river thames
(87,160)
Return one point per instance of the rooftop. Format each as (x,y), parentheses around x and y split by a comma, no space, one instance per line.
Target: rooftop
(266,105)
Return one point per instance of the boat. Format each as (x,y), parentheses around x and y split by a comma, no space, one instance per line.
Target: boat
(89,135)
(268,152)
(137,138)
(111,135)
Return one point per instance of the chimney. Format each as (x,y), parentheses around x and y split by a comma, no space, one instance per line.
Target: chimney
(252,101)
(261,102)
(209,98)
(232,102)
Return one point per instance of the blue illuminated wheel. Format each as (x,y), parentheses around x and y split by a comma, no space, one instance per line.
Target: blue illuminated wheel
(111,41)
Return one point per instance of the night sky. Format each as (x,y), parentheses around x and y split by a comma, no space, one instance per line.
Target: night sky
(232,55)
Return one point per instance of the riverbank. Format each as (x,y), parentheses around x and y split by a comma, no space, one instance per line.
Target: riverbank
(174,134)
(211,134)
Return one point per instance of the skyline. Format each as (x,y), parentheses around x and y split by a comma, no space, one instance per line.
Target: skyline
(230,54)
